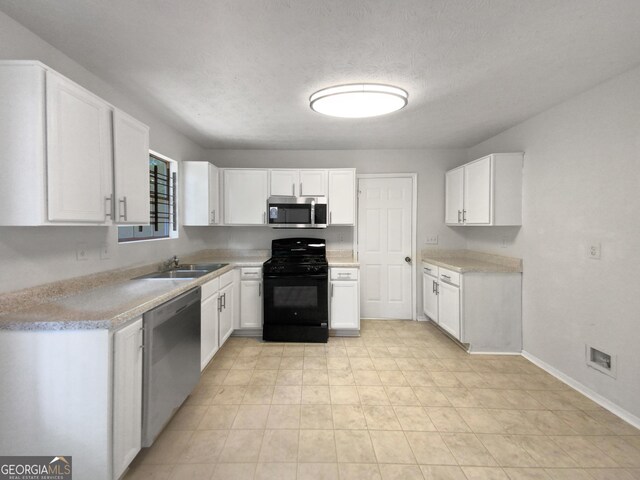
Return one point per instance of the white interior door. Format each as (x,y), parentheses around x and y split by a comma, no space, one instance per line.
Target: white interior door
(384,241)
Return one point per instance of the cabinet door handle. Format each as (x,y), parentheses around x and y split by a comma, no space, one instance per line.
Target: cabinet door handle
(123,202)
(264,217)
(459,214)
(332,290)
(300,188)
(437,289)
(293,189)
(433,287)
(219,304)
(109,209)
(330,221)
(224,301)
(213,216)
(464,216)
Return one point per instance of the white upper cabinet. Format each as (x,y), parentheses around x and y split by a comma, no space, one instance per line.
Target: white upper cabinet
(454,200)
(487,191)
(201,193)
(284,183)
(78,153)
(245,196)
(477,192)
(59,145)
(298,183)
(131,169)
(313,183)
(342,197)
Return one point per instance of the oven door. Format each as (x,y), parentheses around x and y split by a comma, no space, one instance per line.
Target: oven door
(299,300)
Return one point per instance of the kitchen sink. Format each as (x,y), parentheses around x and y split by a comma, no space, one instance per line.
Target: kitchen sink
(209,267)
(175,275)
(186,271)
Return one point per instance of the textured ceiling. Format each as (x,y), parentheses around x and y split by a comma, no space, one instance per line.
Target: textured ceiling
(238,73)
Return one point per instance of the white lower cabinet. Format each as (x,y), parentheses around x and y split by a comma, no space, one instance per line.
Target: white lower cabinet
(449,308)
(430,291)
(251,304)
(209,311)
(225,307)
(481,309)
(344,299)
(127,395)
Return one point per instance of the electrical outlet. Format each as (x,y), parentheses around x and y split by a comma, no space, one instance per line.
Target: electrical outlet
(593,250)
(82,251)
(105,254)
(431,240)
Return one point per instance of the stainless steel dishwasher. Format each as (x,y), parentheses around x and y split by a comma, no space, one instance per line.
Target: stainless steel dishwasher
(171,360)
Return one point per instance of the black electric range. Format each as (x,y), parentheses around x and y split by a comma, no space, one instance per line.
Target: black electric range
(296,304)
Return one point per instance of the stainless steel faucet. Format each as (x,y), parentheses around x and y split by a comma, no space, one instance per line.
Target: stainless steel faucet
(173,262)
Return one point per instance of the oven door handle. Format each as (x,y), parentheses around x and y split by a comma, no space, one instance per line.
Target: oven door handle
(283,276)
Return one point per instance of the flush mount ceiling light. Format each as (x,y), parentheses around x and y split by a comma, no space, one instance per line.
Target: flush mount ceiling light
(358,100)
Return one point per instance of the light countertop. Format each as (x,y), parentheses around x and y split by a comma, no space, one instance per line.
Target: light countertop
(467,261)
(109,300)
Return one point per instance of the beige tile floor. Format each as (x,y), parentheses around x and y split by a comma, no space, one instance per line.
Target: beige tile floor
(400,402)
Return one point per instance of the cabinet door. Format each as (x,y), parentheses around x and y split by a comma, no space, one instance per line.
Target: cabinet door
(208,329)
(131,169)
(201,199)
(284,183)
(430,297)
(454,196)
(345,306)
(449,308)
(342,197)
(214,195)
(313,183)
(250,304)
(78,153)
(127,395)
(226,313)
(477,192)
(245,197)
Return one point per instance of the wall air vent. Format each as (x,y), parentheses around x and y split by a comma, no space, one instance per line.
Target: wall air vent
(601,361)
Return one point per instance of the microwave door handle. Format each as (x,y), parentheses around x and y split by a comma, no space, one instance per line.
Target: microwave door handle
(313,211)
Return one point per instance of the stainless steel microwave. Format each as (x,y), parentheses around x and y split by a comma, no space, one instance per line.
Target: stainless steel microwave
(297,212)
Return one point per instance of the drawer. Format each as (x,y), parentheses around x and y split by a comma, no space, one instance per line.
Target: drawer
(344,274)
(226,279)
(209,288)
(449,276)
(250,273)
(430,269)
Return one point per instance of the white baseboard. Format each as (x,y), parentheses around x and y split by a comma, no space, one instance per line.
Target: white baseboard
(596,397)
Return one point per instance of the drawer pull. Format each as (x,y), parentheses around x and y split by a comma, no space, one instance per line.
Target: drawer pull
(445,276)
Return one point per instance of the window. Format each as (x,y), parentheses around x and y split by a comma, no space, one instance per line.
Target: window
(163,206)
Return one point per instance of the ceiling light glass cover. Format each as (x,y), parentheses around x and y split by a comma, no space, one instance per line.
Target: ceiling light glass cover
(358,100)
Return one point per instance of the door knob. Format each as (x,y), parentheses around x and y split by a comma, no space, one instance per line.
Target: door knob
(407,259)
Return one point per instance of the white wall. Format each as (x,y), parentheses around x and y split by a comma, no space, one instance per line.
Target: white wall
(35,255)
(581,184)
